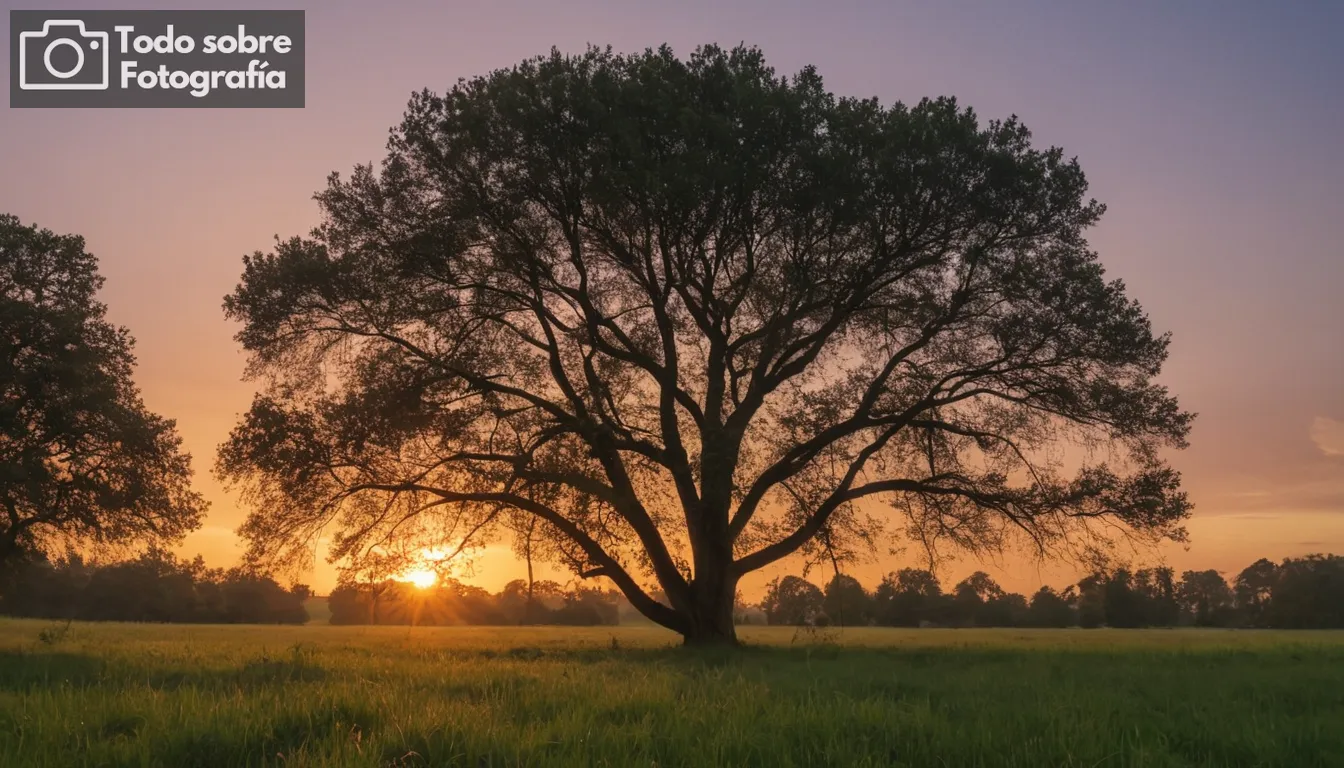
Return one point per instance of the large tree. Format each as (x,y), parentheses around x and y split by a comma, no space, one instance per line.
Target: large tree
(697,317)
(83,463)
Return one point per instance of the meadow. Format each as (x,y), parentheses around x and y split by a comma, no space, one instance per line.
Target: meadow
(317,695)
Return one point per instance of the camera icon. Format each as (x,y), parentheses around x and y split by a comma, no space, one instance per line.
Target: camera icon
(64,56)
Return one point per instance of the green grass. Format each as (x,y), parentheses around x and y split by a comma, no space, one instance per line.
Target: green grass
(146,695)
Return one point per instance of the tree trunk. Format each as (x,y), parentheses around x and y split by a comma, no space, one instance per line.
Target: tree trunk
(529,610)
(713,591)
(711,611)
(711,631)
(9,545)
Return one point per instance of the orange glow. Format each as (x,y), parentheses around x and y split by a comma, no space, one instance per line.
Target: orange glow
(424,574)
(421,579)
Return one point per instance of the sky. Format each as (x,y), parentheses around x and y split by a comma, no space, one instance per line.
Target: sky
(1210,130)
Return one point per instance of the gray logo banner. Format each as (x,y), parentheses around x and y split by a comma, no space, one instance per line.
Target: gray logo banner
(156,59)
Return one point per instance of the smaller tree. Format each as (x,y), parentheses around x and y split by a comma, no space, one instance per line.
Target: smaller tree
(83,463)
(1308,593)
(1206,598)
(1049,608)
(152,587)
(971,596)
(1123,605)
(349,604)
(1254,590)
(908,597)
(515,602)
(255,598)
(1092,600)
(792,601)
(846,602)
(1009,609)
(1155,589)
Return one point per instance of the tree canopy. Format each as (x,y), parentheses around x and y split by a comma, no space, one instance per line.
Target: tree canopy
(83,463)
(697,317)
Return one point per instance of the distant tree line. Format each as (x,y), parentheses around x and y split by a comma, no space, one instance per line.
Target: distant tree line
(1299,593)
(155,587)
(450,602)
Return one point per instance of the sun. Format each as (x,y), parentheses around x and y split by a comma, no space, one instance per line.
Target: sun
(427,575)
(421,579)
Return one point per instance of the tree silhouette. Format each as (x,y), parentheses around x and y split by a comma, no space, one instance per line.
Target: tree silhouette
(154,586)
(1049,608)
(1206,597)
(908,597)
(793,601)
(698,317)
(1156,589)
(846,603)
(1299,593)
(82,462)
(1254,591)
(1308,592)
(1124,604)
(978,600)
(1092,594)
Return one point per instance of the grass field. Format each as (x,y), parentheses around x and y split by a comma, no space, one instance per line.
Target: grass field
(147,695)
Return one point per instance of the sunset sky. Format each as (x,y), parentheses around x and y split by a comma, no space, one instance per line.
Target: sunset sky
(1212,132)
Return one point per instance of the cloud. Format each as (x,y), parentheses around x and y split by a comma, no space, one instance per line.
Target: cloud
(1328,435)
(1322,494)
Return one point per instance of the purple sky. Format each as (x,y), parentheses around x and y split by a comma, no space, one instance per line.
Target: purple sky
(1213,133)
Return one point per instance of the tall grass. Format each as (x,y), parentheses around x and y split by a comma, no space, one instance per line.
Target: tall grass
(143,695)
